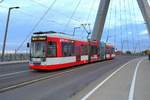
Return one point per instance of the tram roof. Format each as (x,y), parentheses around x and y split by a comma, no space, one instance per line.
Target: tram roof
(58,34)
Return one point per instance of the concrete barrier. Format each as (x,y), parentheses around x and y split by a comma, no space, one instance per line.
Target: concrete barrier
(13,62)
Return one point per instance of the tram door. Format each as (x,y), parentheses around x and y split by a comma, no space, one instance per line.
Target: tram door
(78,53)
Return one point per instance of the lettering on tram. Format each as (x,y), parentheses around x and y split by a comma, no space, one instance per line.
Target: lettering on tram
(39,38)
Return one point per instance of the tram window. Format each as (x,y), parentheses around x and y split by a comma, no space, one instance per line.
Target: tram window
(94,50)
(67,49)
(108,51)
(51,49)
(112,50)
(84,49)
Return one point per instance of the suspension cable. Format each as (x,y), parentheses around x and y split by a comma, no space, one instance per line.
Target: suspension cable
(60,13)
(73,13)
(134,28)
(35,26)
(88,16)
(126,28)
(42,5)
(121,27)
(138,27)
(109,24)
(115,33)
(90,10)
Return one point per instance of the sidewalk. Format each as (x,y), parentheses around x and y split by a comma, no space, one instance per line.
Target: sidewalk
(118,86)
(142,87)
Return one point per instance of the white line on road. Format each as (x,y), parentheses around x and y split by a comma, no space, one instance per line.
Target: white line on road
(99,85)
(4,75)
(131,93)
(40,79)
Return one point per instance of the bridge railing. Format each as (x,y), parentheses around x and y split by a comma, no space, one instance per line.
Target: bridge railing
(15,57)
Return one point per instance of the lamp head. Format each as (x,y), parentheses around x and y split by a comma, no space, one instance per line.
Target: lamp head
(14,7)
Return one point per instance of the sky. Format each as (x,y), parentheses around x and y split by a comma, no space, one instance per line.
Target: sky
(124,23)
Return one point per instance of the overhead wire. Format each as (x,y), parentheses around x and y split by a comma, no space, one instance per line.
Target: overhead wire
(88,16)
(3,7)
(90,10)
(73,13)
(20,10)
(37,23)
(60,13)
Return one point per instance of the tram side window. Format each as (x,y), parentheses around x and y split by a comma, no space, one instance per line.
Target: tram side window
(67,49)
(51,49)
(112,50)
(84,49)
(108,51)
(94,50)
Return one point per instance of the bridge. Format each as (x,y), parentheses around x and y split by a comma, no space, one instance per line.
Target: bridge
(126,77)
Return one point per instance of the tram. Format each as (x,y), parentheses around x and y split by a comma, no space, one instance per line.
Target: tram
(55,50)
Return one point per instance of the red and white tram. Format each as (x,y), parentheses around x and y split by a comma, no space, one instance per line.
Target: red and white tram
(51,50)
(110,52)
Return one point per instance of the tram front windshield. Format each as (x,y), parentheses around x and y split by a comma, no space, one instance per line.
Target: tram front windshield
(38,49)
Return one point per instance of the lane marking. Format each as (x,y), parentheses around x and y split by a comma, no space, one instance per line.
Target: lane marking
(132,88)
(99,85)
(37,80)
(40,79)
(4,75)
(43,78)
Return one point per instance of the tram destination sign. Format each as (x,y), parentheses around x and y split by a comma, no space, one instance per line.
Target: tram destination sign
(39,38)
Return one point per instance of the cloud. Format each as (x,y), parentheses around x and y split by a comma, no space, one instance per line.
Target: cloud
(144,32)
(121,18)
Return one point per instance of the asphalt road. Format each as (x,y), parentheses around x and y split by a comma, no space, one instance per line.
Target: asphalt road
(55,85)
(11,68)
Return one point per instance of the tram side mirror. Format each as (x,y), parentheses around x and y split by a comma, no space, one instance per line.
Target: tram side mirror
(28,45)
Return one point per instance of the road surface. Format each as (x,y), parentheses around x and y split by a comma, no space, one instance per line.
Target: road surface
(130,82)
(17,82)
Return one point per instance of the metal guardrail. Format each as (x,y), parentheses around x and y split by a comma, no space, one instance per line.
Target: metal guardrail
(15,57)
(13,62)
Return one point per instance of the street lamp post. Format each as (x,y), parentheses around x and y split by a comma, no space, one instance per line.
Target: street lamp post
(6,30)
